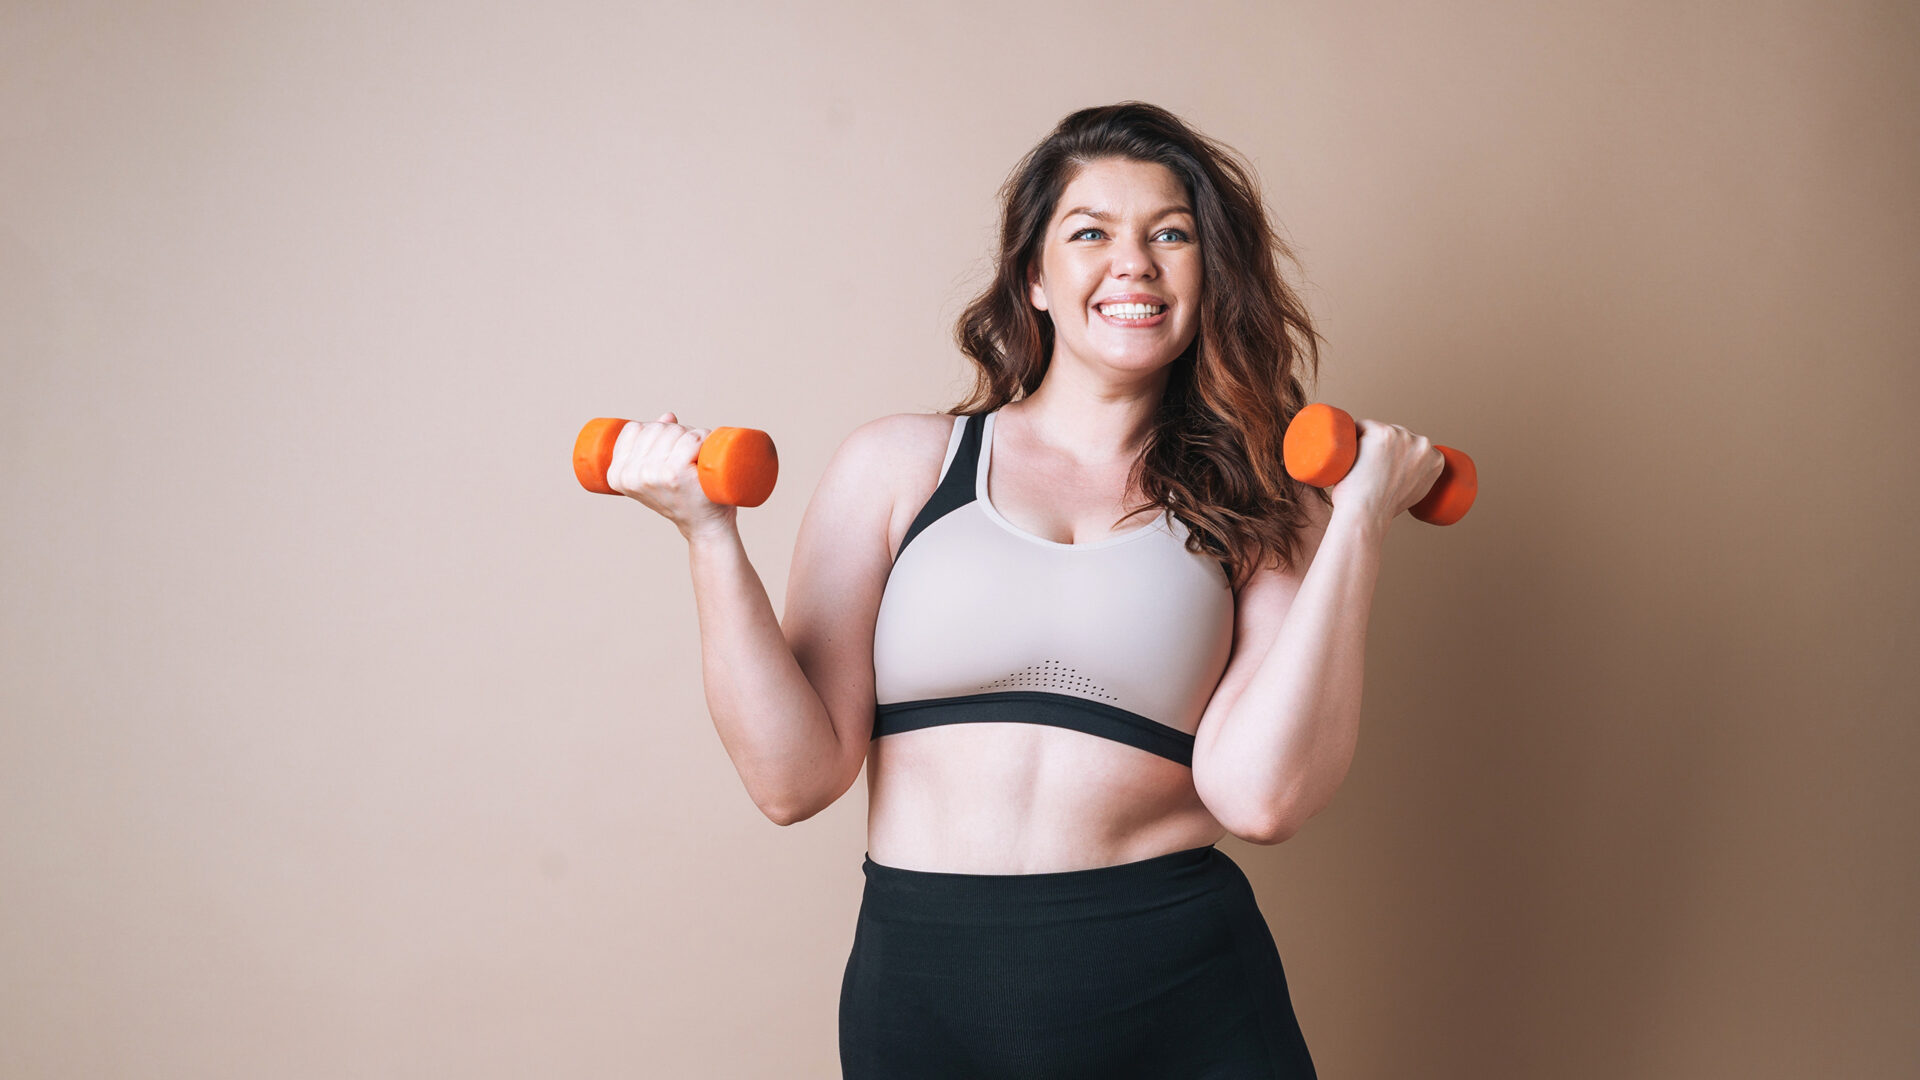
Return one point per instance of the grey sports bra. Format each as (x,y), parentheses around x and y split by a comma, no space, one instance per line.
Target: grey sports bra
(980,622)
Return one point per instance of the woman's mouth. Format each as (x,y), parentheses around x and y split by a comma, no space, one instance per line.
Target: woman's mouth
(1132,315)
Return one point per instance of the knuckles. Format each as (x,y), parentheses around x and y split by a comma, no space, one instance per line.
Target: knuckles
(645,460)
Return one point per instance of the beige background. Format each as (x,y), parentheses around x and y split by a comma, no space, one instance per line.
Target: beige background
(345,736)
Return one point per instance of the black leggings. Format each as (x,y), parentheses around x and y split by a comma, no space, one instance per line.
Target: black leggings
(1160,968)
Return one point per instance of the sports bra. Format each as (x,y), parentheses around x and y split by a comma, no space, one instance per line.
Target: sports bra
(1123,638)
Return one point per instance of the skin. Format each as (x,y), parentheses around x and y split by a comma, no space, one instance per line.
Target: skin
(793,704)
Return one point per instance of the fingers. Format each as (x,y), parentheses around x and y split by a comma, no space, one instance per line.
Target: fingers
(649,456)
(618,465)
(650,435)
(623,442)
(1403,465)
(686,448)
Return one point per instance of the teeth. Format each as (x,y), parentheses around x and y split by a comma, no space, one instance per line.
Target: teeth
(1131,311)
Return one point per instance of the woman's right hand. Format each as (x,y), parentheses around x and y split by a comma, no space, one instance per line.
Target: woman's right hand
(653,462)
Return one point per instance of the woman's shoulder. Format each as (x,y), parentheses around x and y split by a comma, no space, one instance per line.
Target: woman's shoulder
(906,448)
(905,433)
(897,459)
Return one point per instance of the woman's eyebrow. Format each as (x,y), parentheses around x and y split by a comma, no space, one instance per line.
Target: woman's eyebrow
(1102,215)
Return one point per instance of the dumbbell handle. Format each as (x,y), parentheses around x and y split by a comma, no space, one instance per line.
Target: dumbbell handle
(1322,442)
(737,466)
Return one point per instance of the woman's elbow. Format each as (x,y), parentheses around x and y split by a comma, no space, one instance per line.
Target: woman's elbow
(792,811)
(780,814)
(1272,821)
(801,807)
(1265,831)
(1265,821)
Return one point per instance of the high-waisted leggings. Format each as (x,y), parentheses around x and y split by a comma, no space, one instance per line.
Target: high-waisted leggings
(1161,968)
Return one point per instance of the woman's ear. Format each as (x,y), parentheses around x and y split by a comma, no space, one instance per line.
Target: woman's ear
(1035,294)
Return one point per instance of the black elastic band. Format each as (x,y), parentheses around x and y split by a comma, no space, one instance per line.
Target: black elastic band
(1037,707)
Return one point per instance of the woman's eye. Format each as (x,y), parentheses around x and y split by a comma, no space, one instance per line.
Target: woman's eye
(1178,234)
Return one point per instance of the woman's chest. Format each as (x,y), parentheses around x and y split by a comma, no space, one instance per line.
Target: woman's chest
(1140,625)
(1065,505)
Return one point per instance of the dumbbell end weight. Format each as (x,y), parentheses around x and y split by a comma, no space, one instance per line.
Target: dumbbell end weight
(1320,445)
(1451,496)
(738,466)
(593,452)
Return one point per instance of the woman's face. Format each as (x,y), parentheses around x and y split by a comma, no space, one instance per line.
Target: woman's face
(1122,235)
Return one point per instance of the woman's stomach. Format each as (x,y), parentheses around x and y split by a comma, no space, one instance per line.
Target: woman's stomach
(1019,798)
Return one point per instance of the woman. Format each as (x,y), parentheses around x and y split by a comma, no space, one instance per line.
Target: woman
(1076,629)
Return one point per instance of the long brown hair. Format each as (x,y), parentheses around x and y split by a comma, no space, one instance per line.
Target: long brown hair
(1213,456)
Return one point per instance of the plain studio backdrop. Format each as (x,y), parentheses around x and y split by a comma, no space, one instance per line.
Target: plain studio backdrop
(346,736)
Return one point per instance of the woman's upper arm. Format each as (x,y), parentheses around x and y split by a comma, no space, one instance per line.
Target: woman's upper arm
(1259,608)
(841,560)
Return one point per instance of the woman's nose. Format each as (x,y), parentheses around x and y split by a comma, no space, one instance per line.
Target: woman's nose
(1132,258)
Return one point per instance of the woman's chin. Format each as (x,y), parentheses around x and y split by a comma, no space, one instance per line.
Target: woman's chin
(1139,359)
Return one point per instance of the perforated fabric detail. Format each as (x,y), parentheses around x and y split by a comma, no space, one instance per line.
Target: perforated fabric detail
(1051,675)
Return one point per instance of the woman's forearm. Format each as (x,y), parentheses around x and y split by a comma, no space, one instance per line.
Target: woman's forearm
(770,718)
(1287,741)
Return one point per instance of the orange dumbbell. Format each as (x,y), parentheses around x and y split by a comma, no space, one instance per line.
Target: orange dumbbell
(1320,447)
(737,466)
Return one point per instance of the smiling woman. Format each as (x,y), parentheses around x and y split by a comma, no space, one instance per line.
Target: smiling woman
(1047,777)
(1060,709)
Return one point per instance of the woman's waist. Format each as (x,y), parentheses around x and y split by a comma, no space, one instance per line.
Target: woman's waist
(1025,801)
(1146,891)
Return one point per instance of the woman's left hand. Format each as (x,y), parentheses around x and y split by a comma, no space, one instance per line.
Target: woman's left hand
(1392,469)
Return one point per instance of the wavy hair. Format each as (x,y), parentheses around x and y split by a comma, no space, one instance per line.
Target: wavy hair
(1213,456)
